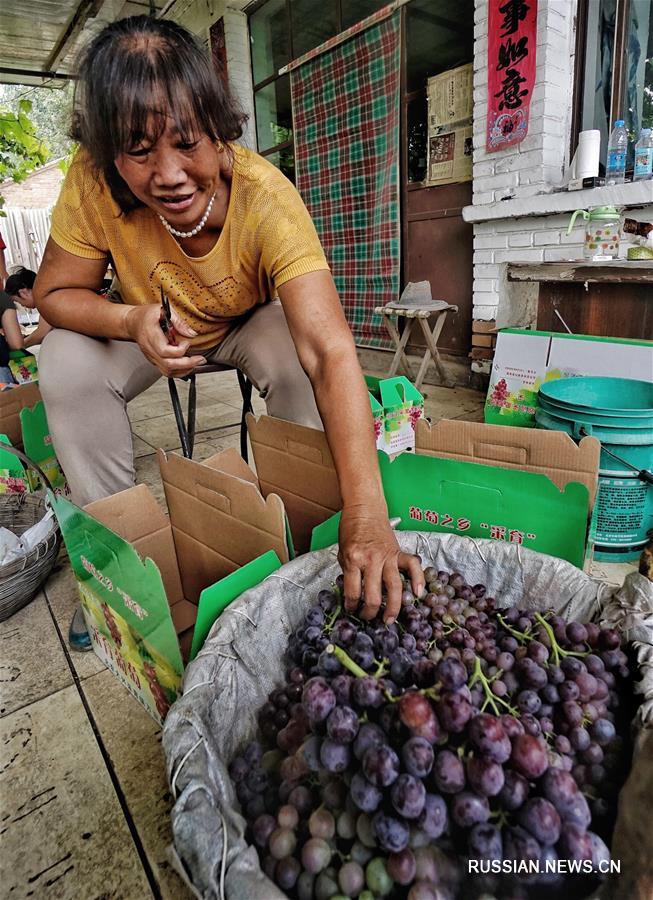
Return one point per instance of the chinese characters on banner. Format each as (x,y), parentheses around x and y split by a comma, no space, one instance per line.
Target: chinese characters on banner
(512,38)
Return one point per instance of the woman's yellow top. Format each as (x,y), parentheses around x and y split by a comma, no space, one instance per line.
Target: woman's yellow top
(268,238)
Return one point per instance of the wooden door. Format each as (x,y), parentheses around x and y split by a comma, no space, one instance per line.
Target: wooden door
(438,247)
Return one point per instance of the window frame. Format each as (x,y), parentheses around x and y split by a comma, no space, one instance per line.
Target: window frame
(249,11)
(618,66)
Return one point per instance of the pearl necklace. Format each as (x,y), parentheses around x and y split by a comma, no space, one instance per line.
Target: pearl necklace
(187,234)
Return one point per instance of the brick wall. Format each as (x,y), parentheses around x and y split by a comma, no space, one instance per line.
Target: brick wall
(529,167)
(38,191)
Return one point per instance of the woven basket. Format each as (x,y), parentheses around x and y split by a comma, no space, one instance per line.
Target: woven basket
(21,578)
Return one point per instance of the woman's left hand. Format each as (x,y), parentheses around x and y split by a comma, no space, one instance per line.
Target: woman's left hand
(371,559)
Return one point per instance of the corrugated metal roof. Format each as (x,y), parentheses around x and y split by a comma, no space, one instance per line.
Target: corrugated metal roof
(39,39)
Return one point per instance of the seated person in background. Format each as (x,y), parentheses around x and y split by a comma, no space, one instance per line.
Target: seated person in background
(11,337)
(19,288)
(3,265)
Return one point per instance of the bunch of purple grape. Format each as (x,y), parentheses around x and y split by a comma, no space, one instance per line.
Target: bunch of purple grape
(460,752)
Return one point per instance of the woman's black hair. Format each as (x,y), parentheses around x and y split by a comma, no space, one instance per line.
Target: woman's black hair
(134,74)
(21,278)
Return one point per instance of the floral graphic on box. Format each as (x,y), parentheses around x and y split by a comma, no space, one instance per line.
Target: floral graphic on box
(10,483)
(24,369)
(415,413)
(512,398)
(146,674)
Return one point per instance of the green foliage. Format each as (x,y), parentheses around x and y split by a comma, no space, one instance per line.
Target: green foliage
(21,151)
(66,161)
(50,114)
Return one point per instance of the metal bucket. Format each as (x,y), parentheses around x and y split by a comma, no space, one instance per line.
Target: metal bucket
(619,412)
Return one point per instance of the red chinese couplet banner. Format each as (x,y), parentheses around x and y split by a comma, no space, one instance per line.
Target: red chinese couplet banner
(512,38)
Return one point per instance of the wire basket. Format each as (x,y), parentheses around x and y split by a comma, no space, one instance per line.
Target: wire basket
(21,578)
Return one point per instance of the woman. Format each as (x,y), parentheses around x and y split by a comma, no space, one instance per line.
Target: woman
(160,188)
(11,337)
(19,286)
(3,264)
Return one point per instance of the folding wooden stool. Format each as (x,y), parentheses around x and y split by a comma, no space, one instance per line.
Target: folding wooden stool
(421,314)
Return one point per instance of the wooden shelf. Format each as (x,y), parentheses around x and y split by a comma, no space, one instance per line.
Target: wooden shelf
(582,271)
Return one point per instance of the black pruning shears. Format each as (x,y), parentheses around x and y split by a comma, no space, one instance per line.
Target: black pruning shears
(186,429)
(165,320)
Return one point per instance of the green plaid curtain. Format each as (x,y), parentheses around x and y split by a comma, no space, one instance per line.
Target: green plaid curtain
(346,127)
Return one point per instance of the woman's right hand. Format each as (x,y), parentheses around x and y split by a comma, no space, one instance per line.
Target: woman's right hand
(172,360)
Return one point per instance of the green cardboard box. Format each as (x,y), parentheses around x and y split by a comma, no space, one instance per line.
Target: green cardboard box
(152,584)
(37,444)
(13,477)
(23,366)
(396,407)
(524,360)
(531,488)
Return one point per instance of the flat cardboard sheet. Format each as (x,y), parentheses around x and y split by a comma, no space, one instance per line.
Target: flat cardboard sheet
(137,517)
(219,520)
(550,453)
(11,403)
(295,463)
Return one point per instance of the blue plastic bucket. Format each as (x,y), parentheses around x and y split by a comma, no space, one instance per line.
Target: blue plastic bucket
(619,412)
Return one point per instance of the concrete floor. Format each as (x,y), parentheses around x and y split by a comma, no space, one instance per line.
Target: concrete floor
(84,803)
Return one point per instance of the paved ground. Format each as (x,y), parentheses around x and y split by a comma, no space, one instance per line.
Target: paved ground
(84,803)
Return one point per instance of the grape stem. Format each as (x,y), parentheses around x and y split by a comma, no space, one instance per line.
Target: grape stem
(356,670)
(381,668)
(328,628)
(491,699)
(346,661)
(501,818)
(432,693)
(556,649)
(520,635)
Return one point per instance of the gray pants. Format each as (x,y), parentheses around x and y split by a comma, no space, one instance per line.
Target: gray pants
(87,382)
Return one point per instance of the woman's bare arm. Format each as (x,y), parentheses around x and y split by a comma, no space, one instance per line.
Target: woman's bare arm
(36,337)
(11,328)
(368,547)
(65,292)
(66,295)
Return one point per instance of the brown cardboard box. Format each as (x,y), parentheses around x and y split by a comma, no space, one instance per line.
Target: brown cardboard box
(218,521)
(11,403)
(295,463)
(481,353)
